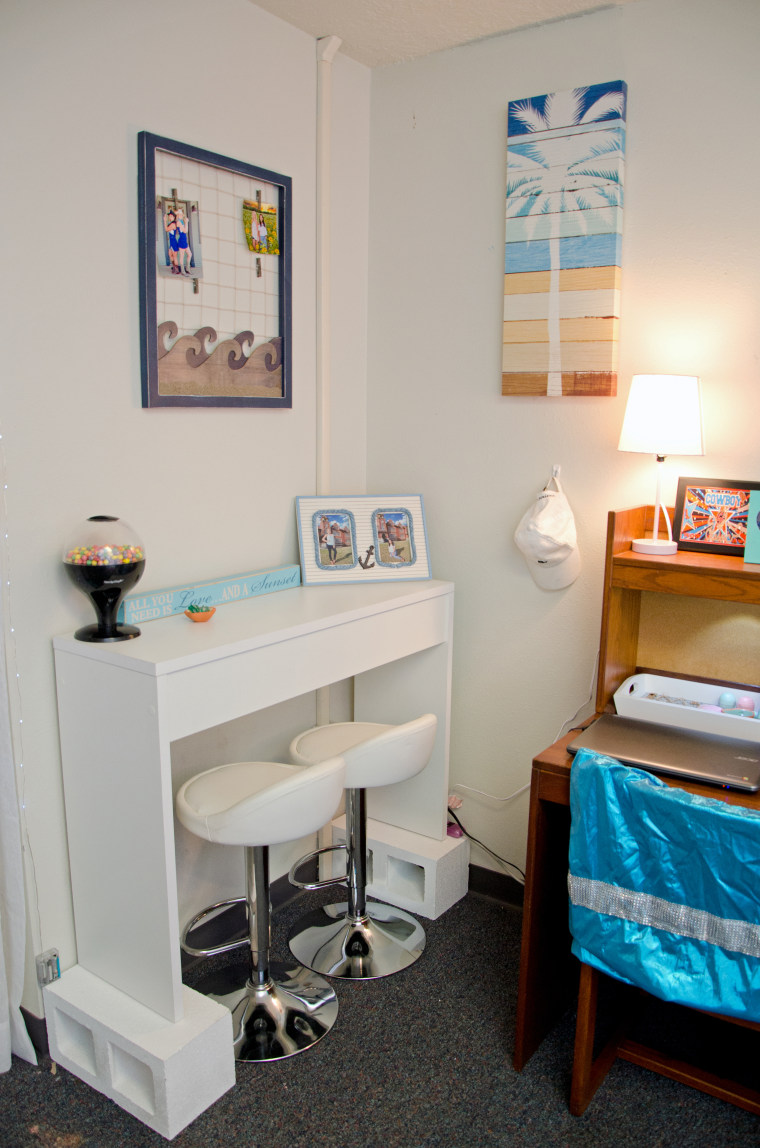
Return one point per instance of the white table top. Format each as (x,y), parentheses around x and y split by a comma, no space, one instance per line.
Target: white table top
(166,645)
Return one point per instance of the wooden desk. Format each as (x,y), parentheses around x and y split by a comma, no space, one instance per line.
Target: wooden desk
(547,970)
(122,704)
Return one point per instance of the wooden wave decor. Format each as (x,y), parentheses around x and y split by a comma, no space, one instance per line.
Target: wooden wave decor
(202,364)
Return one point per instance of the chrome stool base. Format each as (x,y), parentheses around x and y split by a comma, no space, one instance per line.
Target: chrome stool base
(381,942)
(288,1014)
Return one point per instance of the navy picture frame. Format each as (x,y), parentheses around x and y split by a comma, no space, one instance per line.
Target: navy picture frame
(276,355)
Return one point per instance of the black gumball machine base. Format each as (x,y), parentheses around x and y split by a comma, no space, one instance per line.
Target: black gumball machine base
(95,632)
(106,561)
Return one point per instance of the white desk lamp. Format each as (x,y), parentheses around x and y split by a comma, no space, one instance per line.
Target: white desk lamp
(663,416)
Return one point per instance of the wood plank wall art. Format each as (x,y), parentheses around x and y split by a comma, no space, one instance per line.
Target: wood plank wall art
(565,164)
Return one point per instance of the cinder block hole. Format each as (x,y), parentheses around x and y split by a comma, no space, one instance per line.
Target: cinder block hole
(76,1042)
(406,879)
(132,1078)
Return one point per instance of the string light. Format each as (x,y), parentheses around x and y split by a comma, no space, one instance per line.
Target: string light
(14,700)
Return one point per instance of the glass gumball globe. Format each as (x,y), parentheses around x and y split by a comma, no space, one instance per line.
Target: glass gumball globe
(104,560)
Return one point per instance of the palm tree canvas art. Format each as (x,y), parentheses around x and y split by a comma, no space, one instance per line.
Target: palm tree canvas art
(564,206)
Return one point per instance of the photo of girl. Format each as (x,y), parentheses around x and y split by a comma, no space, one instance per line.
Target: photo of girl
(170,228)
(395,542)
(185,255)
(335,539)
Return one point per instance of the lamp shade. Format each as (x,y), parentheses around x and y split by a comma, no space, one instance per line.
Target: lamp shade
(663,416)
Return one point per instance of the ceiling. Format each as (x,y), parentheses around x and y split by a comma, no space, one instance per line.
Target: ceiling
(377,32)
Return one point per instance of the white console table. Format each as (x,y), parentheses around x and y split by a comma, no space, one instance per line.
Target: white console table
(122,704)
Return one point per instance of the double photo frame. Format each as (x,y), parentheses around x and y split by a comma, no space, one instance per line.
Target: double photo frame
(362,538)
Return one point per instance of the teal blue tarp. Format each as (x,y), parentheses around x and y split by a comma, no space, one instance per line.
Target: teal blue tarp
(665,887)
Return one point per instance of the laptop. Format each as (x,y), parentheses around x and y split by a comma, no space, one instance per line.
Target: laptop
(693,756)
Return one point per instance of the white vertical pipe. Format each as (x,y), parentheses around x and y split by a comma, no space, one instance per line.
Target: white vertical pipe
(326,49)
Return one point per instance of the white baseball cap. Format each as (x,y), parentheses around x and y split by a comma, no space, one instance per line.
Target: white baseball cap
(547,538)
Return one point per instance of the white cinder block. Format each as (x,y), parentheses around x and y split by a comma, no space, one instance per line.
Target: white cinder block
(165,1074)
(408,869)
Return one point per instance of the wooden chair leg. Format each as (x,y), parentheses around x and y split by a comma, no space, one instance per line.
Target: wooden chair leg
(588,1073)
(585,1027)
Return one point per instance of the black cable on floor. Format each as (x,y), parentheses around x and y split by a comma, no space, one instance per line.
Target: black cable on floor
(503,860)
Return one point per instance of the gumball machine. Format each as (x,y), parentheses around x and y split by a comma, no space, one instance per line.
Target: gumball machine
(104,561)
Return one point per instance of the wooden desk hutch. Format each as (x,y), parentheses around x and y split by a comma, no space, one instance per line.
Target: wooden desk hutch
(548,974)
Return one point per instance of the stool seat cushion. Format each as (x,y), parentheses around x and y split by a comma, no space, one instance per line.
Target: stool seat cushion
(260,802)
(331,740)
(374,754)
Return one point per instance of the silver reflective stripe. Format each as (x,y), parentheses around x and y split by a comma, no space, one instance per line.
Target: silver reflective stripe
(643,909)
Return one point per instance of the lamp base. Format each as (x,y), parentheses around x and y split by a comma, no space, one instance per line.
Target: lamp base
(654,546)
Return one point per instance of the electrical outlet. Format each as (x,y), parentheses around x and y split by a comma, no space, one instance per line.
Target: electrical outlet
(48,967)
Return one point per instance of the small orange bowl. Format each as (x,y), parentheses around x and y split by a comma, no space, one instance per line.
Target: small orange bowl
(200,615)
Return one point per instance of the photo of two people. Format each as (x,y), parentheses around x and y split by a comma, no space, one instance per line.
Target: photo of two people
(178,237)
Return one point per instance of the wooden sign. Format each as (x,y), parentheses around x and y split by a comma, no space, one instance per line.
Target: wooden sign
(164,603)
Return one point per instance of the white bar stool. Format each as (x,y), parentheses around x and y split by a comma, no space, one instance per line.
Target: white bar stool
(282,1008)
(352,939)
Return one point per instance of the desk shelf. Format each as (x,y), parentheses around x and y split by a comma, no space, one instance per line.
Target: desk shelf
(720,577)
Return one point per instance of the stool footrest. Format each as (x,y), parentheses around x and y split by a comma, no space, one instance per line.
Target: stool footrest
(325,882)
(197,920)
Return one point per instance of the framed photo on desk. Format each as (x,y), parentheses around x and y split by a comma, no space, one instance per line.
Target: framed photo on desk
(362,538)
(711,515)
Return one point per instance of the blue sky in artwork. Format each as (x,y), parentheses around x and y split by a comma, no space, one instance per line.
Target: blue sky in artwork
(588,96)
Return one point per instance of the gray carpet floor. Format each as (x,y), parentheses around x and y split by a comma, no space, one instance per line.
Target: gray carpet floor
(419,1059)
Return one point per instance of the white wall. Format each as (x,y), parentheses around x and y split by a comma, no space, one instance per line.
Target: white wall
(210,491)
(524,658)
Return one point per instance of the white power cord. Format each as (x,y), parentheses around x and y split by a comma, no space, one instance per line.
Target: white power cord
(491,796)
(563,729)
(569,723)
(455,804)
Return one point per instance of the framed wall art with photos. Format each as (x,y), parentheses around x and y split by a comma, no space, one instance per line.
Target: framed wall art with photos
(362,538)
(215,279)
(711,514)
